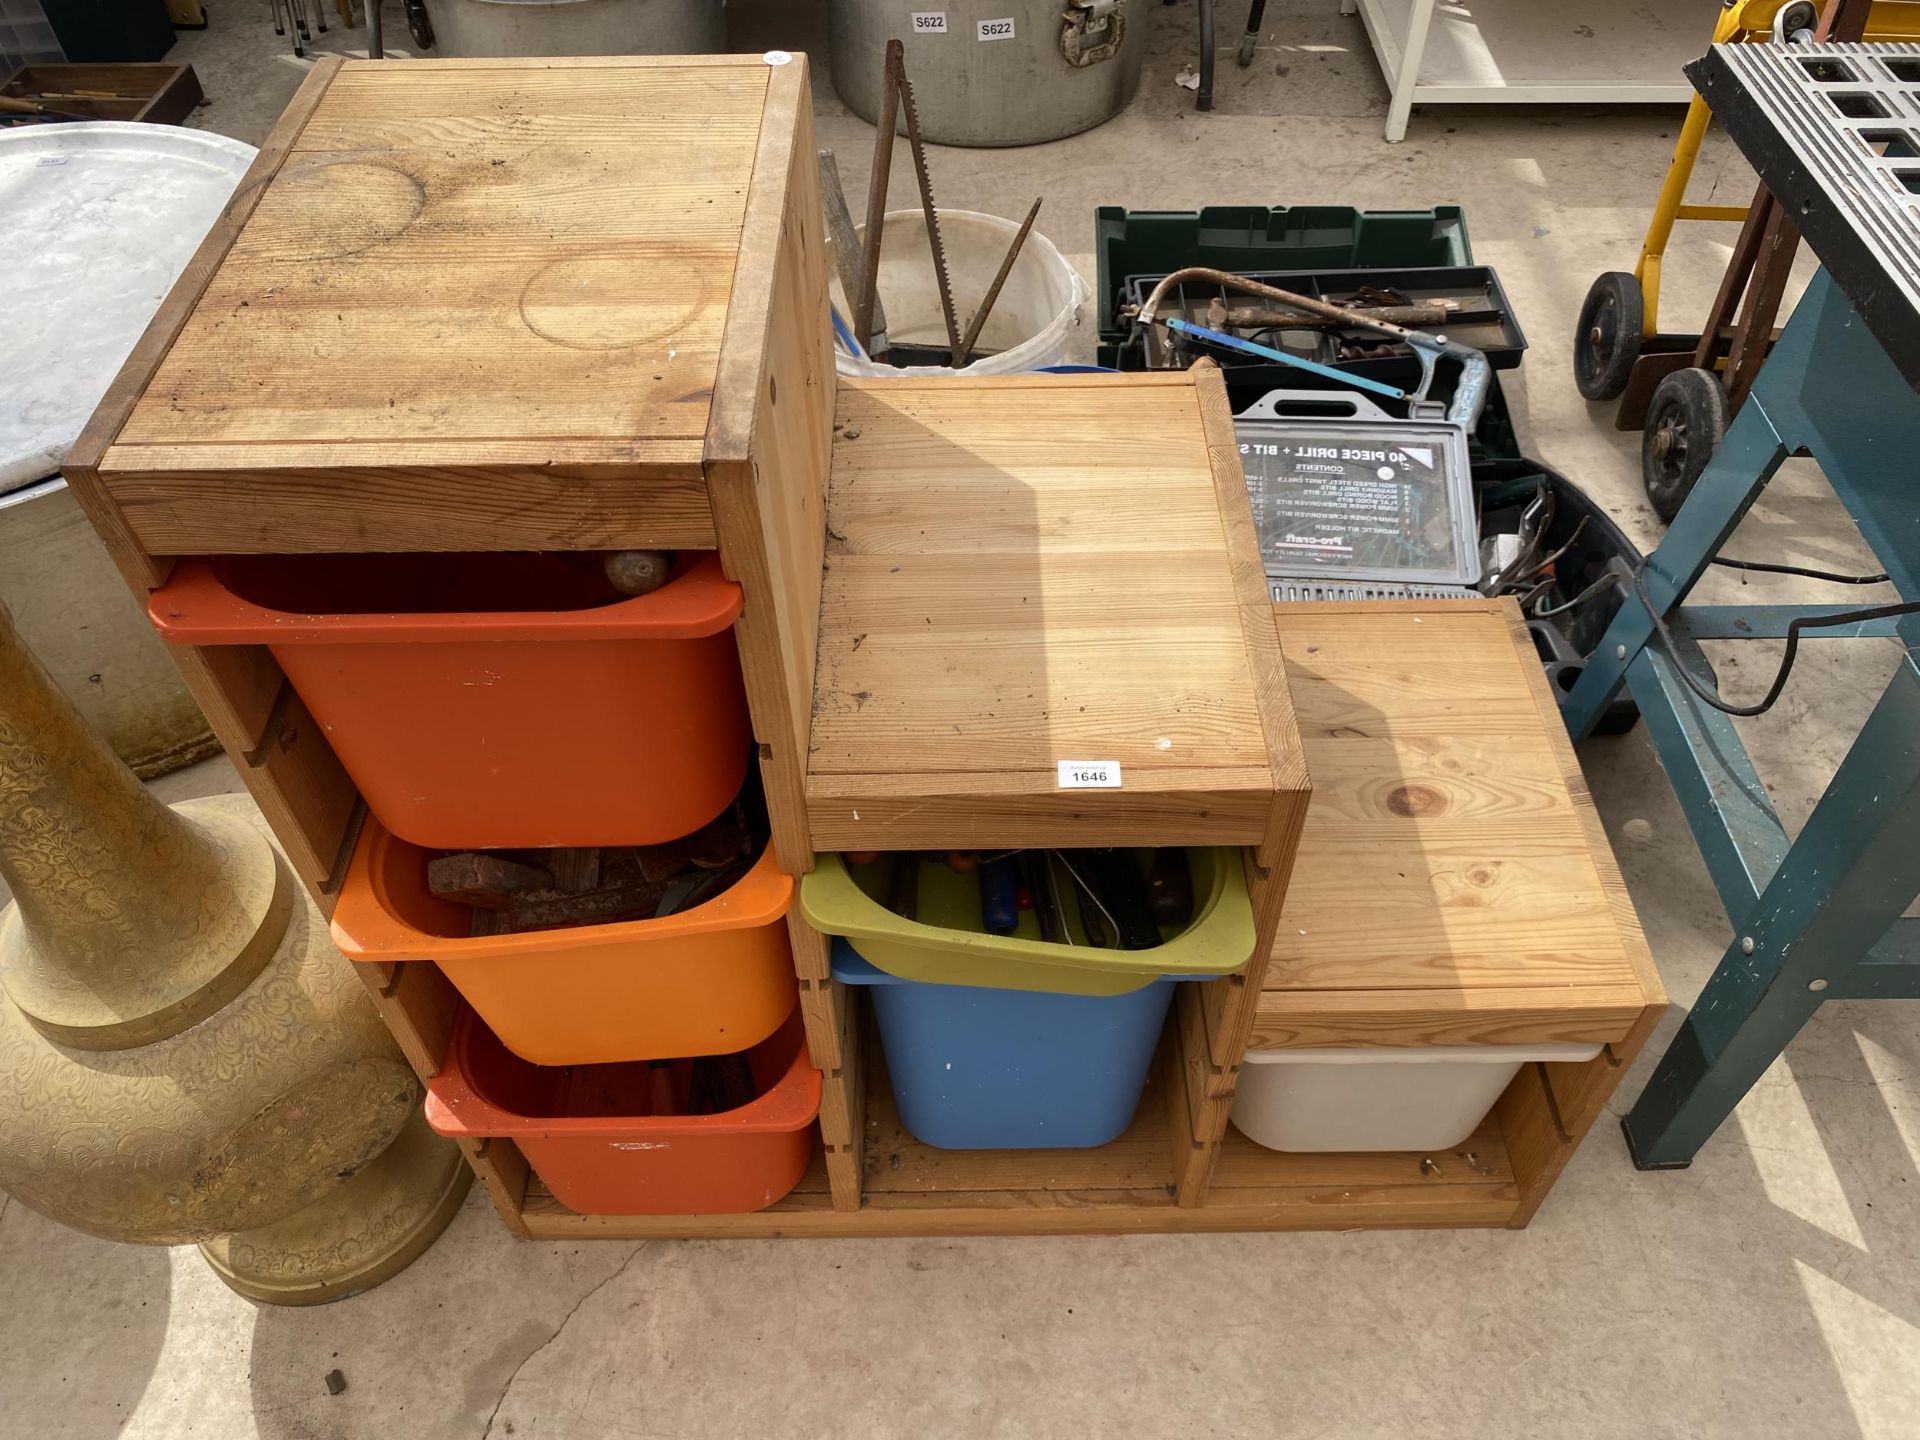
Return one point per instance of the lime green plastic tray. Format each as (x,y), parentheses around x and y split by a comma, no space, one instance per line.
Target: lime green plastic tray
(947,947)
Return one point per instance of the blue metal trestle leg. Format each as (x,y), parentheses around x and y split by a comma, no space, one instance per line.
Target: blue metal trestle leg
(1819,919)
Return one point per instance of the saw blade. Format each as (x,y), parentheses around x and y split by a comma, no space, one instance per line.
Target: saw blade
(927,205)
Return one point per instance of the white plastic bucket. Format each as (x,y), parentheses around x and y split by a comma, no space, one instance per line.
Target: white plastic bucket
(1032,324)
(1387,1098)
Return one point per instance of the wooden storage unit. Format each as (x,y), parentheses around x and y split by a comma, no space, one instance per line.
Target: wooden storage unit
(581,304)
(571,304)
(1447,799)
(1454,884)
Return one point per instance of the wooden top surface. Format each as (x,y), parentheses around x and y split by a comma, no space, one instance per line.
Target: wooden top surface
(1035,569)
(1453,884)
(458,262)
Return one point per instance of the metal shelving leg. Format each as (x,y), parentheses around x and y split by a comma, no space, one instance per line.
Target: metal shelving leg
(1419,23)
(1204,100)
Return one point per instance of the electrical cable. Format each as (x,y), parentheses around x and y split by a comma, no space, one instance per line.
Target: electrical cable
(1542,612)
(1801,570)
(1794,627)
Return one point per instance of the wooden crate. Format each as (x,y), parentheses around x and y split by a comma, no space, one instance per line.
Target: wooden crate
(154,92)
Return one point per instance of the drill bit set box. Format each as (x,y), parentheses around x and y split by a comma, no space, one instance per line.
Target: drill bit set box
(569,621)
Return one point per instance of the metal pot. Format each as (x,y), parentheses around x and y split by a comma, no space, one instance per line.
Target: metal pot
(991,73)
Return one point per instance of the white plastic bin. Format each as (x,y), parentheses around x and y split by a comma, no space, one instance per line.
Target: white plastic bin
(1417,1098)
(1033,323)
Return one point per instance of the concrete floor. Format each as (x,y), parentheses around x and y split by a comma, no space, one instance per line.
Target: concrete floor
(1774,1288)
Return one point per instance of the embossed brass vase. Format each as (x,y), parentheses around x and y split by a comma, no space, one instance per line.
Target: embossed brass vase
(184,1056)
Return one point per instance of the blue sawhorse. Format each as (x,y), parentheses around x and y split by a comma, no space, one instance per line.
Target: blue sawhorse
(1820,919)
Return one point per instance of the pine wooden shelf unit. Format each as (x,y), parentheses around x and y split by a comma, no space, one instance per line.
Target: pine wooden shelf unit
(385,246)
(1449,803)
(566,304)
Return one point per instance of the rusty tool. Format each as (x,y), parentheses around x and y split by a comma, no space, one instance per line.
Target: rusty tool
(472,877)
(1469,391)
(1301,320)
(575,868)
(866,303)
(845,245)
(13,105)
(965,352)
(897,56)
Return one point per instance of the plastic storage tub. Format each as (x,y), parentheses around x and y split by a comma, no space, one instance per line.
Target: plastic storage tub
(587,1130)
(988,1069)
(947,947)
(588,718)
(709,981)
(1411,1098)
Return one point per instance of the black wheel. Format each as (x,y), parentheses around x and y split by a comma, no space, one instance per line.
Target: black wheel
(1244,53)
(1606,342)
(418,24)
(1686,421)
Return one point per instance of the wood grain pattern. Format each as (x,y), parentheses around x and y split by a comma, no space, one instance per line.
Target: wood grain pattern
(1262,641)
(466,307)
(1448,812)
(846,1167)
(767,447)
(1031,570)
(452,495)
(823,1009)
(142,569)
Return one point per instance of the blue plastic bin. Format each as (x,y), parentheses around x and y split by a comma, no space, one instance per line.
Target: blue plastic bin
(983,1069)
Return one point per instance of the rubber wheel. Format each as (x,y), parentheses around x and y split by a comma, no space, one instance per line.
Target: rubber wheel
(419,25)
(1244,54)
(1606,342)
(1686,421)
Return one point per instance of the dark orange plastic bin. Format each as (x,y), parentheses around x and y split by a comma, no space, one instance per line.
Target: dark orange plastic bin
(713,980)
(586,1128)
(587,717)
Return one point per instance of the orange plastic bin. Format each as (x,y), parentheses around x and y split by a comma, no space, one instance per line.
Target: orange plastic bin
(708,981)
(586,717)
(587,1131)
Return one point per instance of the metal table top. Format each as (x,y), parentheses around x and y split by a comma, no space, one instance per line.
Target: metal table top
(100,218)
(1834,132)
